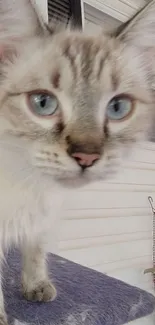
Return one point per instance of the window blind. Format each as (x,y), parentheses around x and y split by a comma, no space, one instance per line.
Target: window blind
(65,11)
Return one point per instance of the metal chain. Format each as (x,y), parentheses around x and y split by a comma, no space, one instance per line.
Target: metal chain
(152,270)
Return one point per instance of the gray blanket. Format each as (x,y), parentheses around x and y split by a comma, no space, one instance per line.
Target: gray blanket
(84,297)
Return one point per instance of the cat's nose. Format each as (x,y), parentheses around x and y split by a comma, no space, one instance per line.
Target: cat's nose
(86,153)
(85,160)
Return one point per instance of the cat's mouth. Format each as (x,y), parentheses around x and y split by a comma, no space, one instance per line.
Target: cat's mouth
(77,180)
(70,179)
(73,180)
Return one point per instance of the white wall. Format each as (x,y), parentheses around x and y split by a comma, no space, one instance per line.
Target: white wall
(42,6)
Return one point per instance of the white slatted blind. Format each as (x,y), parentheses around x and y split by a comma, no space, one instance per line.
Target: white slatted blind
(118,9)
(108,226)
(59,10)
(96,20)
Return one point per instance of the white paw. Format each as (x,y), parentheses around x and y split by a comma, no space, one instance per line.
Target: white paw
(43,291)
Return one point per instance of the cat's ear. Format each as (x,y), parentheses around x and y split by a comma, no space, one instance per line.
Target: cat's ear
(18,20)
(140,30)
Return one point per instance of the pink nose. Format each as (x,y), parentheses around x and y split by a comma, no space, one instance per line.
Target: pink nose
(84,159)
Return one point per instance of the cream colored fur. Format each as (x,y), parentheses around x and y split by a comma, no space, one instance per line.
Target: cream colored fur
(35,167)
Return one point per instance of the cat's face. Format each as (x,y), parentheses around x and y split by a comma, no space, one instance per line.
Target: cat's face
(74,103)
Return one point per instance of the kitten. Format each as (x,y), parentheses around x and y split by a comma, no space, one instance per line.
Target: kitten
(70,105)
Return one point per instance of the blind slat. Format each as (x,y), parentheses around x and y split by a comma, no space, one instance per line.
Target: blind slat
(60,10)
(65,10)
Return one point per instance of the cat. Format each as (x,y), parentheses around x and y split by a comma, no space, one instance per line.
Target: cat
(70,106)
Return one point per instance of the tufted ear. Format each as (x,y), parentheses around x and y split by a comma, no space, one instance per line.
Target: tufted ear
(18,20)
(140,30)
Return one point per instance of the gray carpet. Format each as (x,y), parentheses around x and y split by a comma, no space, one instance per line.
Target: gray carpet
(85,297)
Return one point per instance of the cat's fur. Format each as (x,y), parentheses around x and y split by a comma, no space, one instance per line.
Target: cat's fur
(85,73)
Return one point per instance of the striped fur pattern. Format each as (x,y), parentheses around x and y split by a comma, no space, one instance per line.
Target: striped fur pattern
(84,73)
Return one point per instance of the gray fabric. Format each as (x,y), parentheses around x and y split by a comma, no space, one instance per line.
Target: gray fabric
(84,297)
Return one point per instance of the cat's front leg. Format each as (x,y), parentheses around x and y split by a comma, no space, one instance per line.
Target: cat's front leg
(3,317)
(36,284)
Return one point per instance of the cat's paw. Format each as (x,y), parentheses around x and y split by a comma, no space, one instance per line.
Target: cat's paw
(3,319)
(43,291)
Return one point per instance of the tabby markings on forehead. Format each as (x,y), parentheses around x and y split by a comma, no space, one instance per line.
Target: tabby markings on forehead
(101,64)
(93,59)
(89,52)
(69,55)
(56,79)
(115,79)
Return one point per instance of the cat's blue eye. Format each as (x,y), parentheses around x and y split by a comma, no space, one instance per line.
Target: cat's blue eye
(119,108)
(43,104)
